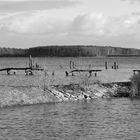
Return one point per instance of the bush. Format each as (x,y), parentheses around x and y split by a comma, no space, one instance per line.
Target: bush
(135,85)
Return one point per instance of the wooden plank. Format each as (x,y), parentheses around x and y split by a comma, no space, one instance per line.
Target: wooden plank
(81,70)
(5,69)
(136,70)
(26,68)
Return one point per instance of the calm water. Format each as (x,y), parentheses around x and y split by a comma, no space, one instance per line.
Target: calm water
(85,120)
(54,63)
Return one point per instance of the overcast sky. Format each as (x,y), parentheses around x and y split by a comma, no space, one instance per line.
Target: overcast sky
(30,23)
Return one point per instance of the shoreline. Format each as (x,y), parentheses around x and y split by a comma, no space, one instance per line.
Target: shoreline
(12,96)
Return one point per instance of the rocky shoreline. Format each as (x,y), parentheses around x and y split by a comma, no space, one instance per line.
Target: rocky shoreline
(77,92)
(11,96)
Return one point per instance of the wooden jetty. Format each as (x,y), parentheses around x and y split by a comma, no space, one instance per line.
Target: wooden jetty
(28,70)
(86,70)
(136,71)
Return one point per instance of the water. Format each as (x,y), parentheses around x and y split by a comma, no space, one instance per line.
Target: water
(80,120)
(54,62)
(115,119)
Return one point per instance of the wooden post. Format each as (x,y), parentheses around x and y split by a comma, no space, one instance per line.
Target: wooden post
(8,72)
(70,64)
(73,65)
(90,73)
(95,74)
(30,61)
(67,74)
(115,64)
(133,72)
(106,65)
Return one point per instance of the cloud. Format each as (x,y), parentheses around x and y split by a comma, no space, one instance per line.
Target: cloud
(24,5)
(132,1)
(34,23)
(89,24)
(89,28)
(100,25)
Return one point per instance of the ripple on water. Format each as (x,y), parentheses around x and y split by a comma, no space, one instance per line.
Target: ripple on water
(95,119)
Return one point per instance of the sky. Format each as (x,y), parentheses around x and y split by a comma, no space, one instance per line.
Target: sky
(31,23)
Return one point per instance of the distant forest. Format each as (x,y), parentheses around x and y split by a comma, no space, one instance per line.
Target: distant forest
(69,51)
(13,52)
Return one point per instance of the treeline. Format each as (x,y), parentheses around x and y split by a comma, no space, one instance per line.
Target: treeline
(77,51)
(61,51)
(13,52)
(69,51)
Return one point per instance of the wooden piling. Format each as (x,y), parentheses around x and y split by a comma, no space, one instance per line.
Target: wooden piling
(30,61)
(106,67)
(70,64)
(115,65)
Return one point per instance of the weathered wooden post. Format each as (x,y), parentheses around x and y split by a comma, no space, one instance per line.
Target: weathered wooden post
(44,80)
(133,72)
(95,74)
(53,73)
(115,65)
(67,74)
(30,61)
(90,73)
(70,64)
(8,72)
(73,65)
(106,65)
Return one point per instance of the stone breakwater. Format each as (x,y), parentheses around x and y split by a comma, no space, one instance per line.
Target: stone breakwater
(10,96)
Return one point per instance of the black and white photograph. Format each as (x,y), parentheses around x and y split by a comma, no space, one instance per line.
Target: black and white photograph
(69,69)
